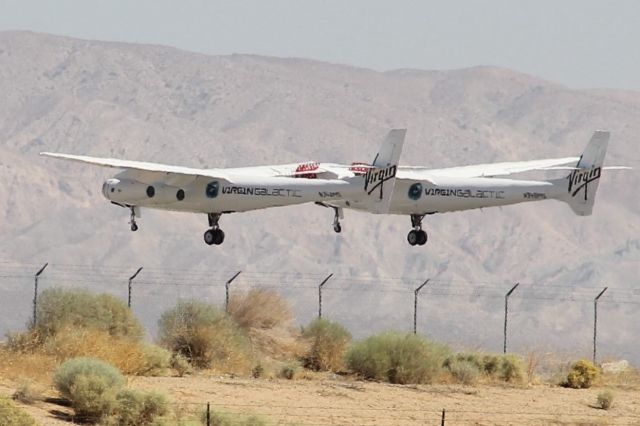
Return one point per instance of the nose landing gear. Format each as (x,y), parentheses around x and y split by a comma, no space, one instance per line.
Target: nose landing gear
(215,235)
(336,219)
(417,236)
(132,220)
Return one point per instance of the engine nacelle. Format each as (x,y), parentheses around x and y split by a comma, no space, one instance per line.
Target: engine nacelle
(131,192)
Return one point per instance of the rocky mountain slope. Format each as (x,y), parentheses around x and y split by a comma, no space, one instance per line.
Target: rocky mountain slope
(160,104)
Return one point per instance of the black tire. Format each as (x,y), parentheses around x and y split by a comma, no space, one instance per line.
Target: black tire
(209,237)
(413,237)
(134,227)
(337,228)
(218,237)
(422,240)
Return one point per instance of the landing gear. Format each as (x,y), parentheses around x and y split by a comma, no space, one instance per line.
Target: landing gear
(132,220)
(214,236)
(336,219)
(417,236)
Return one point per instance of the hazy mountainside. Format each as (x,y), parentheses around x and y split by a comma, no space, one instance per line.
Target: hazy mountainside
(164,105)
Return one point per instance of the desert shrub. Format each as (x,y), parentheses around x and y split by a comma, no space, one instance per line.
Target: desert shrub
(464,371)
(181,364)
(510,368)
(258,371)
(220,418)
(259,308)
(491,363)
(10,415)
(72,308)
(157,360)
(288,371)
(328,344)
(397,358)
(503,367)
(203,334)
(138,408)
(26,393)
(605,399)
(90,385)
(582,375)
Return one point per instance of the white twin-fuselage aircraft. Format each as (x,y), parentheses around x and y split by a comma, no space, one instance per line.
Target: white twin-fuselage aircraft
(384,187)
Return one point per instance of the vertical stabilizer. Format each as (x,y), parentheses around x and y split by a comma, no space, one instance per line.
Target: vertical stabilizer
(582,183)
(380,179)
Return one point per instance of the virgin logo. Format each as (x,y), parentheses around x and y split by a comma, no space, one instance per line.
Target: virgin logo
(374,178)
(579,179)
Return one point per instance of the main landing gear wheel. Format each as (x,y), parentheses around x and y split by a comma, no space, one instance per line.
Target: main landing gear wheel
(215,235)
(417,237)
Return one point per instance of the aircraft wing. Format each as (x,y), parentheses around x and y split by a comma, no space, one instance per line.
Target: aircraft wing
(145,172)
(484,170)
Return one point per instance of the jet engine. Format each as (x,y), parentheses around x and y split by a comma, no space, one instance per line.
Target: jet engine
(130,192)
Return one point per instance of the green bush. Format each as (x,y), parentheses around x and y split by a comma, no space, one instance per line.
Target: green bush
(220,418)
(510,368)
(397,358)
(10,415)
(137,408)
(503,367)
(464,371)
(157,360)
(605,399)
(203,334)
(582,375)
(328,344)
(70,308)
(90,385)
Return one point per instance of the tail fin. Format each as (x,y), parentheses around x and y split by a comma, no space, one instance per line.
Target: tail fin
(380,180)
(583,181)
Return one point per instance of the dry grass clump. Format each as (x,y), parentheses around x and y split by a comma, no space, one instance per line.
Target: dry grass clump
(259,308)
(37,367)
(328,342)
(582,375)
(397,358)
(27,393)
(221,418)
(10,415)
(206,336)
(605,399)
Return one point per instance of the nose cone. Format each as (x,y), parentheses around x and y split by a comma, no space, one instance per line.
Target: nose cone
(109,187)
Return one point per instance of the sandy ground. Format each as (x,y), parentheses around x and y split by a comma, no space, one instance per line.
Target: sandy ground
(346,402)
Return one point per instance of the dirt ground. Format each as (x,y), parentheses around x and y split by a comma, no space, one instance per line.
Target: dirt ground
(338,401)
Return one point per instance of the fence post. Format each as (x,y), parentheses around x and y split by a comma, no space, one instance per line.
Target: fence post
(415,305)
(595,321)
(506,311)
(35,294)
(442,423)
(320,294)
(130,280)
(208,414)
(226,291)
